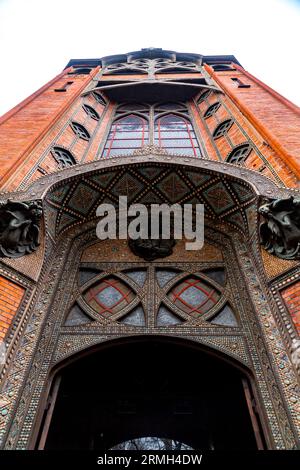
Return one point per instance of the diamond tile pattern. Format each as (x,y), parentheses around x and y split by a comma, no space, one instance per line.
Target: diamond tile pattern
(194,296)
(77,201)
(219,198)
(173,187)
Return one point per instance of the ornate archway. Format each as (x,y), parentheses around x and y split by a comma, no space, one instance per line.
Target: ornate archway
(62,320)
(157,386)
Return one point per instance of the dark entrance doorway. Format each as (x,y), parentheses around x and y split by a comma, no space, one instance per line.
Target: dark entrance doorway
(150,387)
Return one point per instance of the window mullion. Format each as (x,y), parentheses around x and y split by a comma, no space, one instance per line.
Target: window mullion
(151,125)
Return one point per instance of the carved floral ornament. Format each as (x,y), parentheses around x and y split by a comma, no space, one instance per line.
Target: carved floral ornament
(19,228)
(280,232)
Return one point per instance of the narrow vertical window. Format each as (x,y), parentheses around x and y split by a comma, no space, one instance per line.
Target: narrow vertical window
(176,134)
(126,135)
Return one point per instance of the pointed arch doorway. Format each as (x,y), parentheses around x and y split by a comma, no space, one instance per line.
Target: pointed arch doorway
(163,388)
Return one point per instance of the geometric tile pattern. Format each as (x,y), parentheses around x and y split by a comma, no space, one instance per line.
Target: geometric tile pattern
(194,296)
(173,187)
(219,198)
(76,201)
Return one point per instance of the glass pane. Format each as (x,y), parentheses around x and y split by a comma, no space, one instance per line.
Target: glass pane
(217,275)
(225,318)
(109,296)
(165,317)
(194,296)
(181,134)
(127,134)
(176,143)
(151,443)
(135,318)
(85,274)
(126,143)
(77,317)
(138,276)
(164,276)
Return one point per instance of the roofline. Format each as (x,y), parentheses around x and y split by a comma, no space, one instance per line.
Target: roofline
(153,53)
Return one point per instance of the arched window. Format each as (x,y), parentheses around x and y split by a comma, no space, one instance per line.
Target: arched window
(99,98)
(63,157)
(126,134)
(203,96)
(239,154)
(80,130)
(80,71)
(91,112)
(222,128)
(176,134)
(212,110)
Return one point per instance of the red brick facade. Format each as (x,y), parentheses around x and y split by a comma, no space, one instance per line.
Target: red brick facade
(291,297)
(10,299)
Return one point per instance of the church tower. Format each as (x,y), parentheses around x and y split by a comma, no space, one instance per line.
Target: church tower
(113,343)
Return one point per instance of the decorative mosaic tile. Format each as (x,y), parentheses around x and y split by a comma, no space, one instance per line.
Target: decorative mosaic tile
(127,186)
(237,219)
(103,179)
(83,198)
(57,195)
(150,172)
(219,198)
(198,179)
(151,198)
(244,194)
(65,221)
(173,187)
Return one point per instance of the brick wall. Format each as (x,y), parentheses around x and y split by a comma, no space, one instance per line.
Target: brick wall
(273,116)
(291,297)
(10,298)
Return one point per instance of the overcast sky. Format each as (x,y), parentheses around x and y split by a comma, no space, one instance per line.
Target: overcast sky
(38,37)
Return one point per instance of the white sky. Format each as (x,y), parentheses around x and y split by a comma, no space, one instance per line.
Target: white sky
(38,37)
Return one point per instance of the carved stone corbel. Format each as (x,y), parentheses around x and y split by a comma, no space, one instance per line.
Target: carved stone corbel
(280,232)
(19,227)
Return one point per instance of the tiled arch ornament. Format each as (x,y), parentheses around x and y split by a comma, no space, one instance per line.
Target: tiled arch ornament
(40,342)
(70,196)
(41,330)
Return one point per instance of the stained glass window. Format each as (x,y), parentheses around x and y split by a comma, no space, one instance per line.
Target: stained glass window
(63,157)
(239,154)
(99,98)
(126,135)
(91,112)
(203,96)
(176,134)
(80,130)
(212,110)
(109,296)
(194,296)
(222,128)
